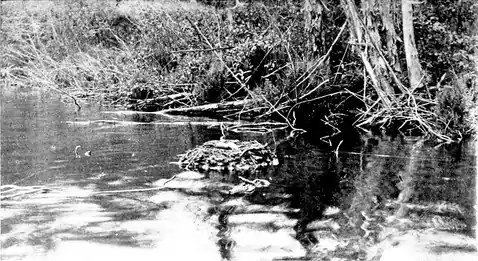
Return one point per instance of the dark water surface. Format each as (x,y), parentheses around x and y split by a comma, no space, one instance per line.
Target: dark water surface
(40,135)
(318,205)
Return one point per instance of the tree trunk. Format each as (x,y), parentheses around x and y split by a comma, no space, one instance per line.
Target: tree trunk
(367,40)
(313,13)
(387,10)
(372,21)
(411,54)
(308,28)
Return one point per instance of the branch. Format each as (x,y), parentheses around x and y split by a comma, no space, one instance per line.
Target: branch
(201,50)
(243,85)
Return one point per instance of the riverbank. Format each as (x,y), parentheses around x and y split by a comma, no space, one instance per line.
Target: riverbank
(254,61)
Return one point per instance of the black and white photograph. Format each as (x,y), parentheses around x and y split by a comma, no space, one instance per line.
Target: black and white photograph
(238,130)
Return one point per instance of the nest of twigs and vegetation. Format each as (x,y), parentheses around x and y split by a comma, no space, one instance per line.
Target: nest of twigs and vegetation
(260,59)
(228,155)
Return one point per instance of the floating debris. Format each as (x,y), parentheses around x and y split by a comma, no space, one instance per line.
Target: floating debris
(323,224)
(331,211)
(189,175)
(248,187)
(222,155)
(242,189)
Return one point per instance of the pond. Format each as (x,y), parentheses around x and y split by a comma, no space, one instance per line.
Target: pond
(108,204)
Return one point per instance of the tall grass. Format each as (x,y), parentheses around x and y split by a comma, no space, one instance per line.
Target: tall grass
(82,48)
(90,49)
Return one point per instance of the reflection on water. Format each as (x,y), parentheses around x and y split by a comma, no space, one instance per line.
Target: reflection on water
(40,137)
(384,188)
(319,205)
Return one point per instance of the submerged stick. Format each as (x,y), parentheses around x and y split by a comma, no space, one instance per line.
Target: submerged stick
(126,190)
(7,190)
(135,190)
(246,180)
(32,189)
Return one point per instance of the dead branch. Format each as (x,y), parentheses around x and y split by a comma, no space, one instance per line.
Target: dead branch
(202,50)
(209,108)
(196,28)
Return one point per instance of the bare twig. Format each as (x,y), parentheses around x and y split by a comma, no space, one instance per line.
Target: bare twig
(201,50)
(243,85)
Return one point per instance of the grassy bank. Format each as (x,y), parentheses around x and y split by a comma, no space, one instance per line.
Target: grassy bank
(168,54)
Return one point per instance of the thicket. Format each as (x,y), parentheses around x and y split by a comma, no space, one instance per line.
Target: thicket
(447,47)
(294,63)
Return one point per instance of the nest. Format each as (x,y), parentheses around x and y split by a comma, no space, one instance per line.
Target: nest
(229,155)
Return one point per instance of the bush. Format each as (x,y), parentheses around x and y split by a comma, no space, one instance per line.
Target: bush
(444,38)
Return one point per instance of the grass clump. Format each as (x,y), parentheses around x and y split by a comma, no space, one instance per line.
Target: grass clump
(68,48)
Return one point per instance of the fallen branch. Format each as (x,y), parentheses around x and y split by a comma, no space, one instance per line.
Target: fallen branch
(208,108)
(201,50)
(173,96)
(165,97)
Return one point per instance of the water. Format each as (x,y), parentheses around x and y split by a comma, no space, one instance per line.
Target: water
(40,136)
(318,205)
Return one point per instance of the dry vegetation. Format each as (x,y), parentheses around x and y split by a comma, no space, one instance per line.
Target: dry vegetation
(285,63)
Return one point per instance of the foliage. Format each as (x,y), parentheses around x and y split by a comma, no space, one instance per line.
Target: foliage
(445,42)
(259,50)
(445,47)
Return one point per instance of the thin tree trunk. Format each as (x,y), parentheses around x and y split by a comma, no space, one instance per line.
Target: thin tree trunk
(388,9)
(411,54)
(313,14)
(308,28)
